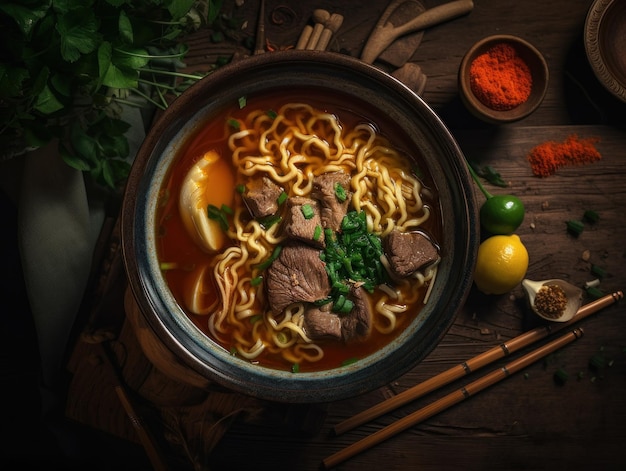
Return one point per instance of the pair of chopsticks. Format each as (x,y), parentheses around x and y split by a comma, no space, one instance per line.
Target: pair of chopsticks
(457,372)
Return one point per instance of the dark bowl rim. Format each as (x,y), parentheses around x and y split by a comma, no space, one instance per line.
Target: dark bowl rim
(306,388)
(600,60)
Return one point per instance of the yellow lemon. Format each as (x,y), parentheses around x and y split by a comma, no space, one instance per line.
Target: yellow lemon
(501,264)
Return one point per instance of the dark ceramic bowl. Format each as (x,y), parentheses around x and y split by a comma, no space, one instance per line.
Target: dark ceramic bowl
(392,101)
(605,44)
(538,69)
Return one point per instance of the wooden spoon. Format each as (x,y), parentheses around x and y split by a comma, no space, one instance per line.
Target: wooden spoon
(384,34)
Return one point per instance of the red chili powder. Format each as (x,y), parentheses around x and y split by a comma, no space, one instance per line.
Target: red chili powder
(546,158)
(500,78)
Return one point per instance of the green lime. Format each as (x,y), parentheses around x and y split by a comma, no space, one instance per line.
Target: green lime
(502,214)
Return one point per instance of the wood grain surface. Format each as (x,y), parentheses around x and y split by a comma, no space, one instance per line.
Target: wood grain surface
(526,422)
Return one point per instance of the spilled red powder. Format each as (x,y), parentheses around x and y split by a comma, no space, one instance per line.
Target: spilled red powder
(546,158)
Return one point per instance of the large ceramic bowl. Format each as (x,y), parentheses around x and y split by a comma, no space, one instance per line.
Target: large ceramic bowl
(319,72)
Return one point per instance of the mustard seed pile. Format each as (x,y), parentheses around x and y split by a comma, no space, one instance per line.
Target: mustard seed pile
(550,301)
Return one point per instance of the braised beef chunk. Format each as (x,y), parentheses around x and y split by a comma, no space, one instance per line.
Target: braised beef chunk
(358,322)
(320,323)
(325,191)
(298,274)
(261,197)
(302,221)
(407,252)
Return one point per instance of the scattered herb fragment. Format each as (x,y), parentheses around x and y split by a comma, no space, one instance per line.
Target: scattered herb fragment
(317,232)
(219,214)
(598,271)
(575,227)
(561,376)
(233,123)
(594,293)
(272,114)
(349,361)
(275,253)
(340,192)
(270,220)
(490,174)
(256,281)
(256,318)
(295,368)
(598,362)
(164,266)
(242,101)
(307,211)
(241,188)
(281,198)
(591,216)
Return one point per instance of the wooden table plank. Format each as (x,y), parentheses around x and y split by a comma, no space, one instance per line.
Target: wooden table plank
(527,421)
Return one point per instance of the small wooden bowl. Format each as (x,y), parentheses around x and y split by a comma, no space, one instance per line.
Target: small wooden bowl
(605,44)
(538,69)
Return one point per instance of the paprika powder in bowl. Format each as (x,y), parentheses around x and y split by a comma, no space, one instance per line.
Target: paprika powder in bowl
(502,79)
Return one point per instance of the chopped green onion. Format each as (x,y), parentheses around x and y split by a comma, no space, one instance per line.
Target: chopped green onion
(233,351)
(307,211)
(226,209)
(317,232)
(594,293)
(295,368)
(591,216)
(417,171)
(575,227)
(219,214)
(338,304)
(164,266)
(340,287)
(233,123)
(269,221)
(270,260)
(349,361)
(340,192)
(346,308)
(242,102)
(598,271)
(256,318)
(271,113)
(560,376)
(281,198)
(241,188)
(323,301)
(597,362)
(256,281)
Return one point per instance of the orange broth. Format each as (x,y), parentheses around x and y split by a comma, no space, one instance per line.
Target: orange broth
(174,245)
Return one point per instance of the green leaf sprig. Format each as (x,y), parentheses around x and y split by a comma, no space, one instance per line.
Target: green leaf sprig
(66,69)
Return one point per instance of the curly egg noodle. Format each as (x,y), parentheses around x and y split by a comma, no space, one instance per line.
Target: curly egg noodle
(291,147)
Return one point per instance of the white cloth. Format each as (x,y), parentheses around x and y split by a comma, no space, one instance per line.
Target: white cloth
(59,221)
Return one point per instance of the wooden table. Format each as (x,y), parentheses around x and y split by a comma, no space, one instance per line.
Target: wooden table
(527,421)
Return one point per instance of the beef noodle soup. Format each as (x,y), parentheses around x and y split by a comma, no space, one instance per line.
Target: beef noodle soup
(299,233)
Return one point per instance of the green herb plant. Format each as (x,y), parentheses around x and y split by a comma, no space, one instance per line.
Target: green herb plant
(67,67)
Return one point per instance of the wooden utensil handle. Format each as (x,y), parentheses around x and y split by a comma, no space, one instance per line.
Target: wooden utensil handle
(436,15)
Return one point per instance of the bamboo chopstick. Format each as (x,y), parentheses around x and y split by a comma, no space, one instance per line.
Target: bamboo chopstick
(154,453)
(451,399)
(472,365)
